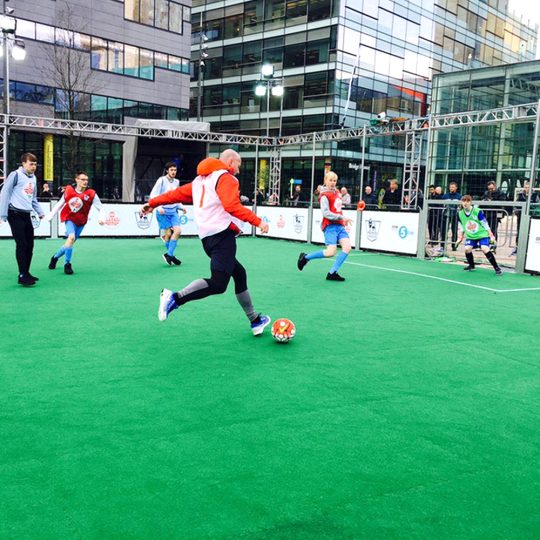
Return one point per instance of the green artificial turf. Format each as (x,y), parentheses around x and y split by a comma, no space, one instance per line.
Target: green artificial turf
(405,407)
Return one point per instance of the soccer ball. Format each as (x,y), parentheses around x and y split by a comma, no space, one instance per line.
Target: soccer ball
(283,330)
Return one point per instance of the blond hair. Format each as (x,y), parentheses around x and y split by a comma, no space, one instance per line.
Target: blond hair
(330,175)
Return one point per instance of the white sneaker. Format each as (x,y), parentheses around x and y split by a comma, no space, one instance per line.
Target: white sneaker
(167,304)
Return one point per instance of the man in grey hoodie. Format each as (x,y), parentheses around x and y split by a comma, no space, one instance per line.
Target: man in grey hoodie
(17,200)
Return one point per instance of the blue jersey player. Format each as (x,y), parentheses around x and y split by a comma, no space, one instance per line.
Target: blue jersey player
(167,215)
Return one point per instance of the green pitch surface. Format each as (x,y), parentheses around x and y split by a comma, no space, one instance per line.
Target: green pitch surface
(407,406)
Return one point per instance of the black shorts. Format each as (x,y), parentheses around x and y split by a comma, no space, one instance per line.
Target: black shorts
(221,248)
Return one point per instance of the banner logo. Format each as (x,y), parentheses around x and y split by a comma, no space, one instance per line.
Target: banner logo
(298,223)
(35,219)
(372,229)
(143,222)
(112,220)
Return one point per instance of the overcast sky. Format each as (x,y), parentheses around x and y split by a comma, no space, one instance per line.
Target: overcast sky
(530,9)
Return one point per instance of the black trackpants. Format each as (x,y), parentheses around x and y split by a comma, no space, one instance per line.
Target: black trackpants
(23,234)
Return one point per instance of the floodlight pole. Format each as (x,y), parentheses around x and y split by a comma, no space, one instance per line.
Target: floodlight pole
(6,104)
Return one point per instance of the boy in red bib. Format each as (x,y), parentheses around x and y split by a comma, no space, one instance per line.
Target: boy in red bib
(74,207)
(333,224)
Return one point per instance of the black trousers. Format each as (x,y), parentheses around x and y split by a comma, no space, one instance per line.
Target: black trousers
(23,234)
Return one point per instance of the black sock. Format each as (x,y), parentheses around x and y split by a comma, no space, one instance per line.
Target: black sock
(491,258)
(470,258)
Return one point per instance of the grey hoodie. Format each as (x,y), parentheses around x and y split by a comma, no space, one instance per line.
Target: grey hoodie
(20,193)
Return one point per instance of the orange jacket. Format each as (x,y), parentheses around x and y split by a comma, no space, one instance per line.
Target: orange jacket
(226,189)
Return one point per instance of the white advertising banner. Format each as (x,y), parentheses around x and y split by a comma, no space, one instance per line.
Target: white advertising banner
(124,220)
(286,223)
(41,228)
(532,262)
(317,234)
(390,231)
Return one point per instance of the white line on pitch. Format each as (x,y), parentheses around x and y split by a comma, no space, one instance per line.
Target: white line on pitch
(440,278)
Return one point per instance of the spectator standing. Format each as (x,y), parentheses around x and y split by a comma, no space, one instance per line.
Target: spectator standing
(17,201)
(296,196)
(370,199)
(345,196)
(522,197)
(492,193)
(435,217)
(450,214)
(392,197)
(46,191)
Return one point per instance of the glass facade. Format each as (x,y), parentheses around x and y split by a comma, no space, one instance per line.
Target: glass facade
(341,62)
(501,152)
(146,40)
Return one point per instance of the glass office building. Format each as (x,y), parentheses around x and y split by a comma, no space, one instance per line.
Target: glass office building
(102,60)
(502,152)
(341,62)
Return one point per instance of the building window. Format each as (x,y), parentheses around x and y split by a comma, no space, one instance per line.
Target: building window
(166,14)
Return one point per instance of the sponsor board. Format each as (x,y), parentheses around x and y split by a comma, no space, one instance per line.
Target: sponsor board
(532,262)
(41,228)
(390,231)
(286,223)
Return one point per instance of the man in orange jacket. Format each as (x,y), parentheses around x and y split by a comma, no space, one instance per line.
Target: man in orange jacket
(215,196)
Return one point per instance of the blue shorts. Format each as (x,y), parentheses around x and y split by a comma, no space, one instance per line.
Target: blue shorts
(476,243)
(333,234)
(71,228)
(166,221)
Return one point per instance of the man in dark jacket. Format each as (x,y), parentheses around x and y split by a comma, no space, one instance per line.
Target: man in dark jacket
(492,193)
(450,215)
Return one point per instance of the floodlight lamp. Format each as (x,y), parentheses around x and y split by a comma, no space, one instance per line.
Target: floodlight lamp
(19,50)
(267,70)
(8,24)
(204,37)
(381,116)
(201,63)
(277,90)
(260,90)
(204,54)
(9,10)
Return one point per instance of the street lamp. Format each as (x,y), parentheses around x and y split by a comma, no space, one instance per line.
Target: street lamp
(15,47)
(266,87)
(203,55)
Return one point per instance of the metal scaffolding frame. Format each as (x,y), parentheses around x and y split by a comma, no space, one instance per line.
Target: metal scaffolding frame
(413,129)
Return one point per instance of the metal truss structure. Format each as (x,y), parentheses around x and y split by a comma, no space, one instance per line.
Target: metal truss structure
(412,129)
(274,179)
(411,169)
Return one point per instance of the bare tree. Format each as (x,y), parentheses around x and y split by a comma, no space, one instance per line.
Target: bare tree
(67,67)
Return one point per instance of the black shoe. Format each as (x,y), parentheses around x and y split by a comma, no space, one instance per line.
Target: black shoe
(52,264)
(498,271)
(334,276)
(33,277)
(26,281)
(67,269)
(167,259)
(469,268)
(302,261)
(174,260)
